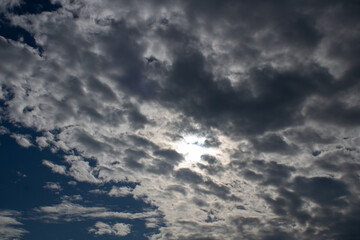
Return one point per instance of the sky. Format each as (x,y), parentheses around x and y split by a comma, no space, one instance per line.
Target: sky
(180,119)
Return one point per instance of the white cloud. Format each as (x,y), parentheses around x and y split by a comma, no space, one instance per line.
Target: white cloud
(120,191)
(22,140)
(54,167)
(55,186)
(118,229)
(69,211)
(10,227)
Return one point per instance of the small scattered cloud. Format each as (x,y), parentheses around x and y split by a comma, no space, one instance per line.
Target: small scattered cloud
(22,140)
(118,229)
(53,186)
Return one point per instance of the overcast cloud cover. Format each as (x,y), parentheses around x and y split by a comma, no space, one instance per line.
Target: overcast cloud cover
(208,119)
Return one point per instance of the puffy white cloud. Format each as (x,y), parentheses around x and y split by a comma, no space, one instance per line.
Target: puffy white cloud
(55,186)
(120,191)
(54,167)
(118,229)
(22,140)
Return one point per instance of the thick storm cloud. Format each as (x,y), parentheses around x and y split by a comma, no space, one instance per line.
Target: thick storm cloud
(180,119)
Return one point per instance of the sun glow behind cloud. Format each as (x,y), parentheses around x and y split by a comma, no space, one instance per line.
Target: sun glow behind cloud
(193,147)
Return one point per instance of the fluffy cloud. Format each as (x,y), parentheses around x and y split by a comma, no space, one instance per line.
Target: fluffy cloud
(54,186)
(118,229)
(22,140)
(268,93)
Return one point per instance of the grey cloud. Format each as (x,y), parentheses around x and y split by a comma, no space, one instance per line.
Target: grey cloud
(288,204)
(336,113)
(177,188)
(208,158)
(278,235)
(211,169)
(322,190)
(140,141)
(279,94)
(212,142)
(161,167)
(280,76)
(169,155)
(127,53)
(253,176)
(137,119)
(221,191)
(132,158)
(188,176)
(92,145)
(271,172)
(103,89)
(309,135)
(274,143)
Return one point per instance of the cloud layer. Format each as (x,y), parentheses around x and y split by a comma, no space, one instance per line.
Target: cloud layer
(234,119)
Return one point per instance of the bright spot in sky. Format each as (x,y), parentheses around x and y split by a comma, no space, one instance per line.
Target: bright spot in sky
(192,147)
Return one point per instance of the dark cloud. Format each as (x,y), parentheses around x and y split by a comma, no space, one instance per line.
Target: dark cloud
(188,176)
(309,135)
(132,158)
(124,83)
(274,143)
(161,167)
(322,190)
(289,204)
(278,235)
(271,173)
(337,113)
(139,141)
(92,145)
(103,89)
(177,188)
(137,119)
(211,169)
(277,93)
(252,176)
(212,142)
(169,155)
(209,159)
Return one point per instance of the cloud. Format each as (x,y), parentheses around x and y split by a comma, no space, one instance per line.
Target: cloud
(114,87)
(54,186)
(118,229)
(22,140)
(54,167)
(318,190)
(10,227)
(119,191)
(69,211)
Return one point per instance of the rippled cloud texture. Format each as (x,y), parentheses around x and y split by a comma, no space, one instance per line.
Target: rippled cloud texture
(226,119)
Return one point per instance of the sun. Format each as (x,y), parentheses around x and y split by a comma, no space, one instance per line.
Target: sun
(193,147)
